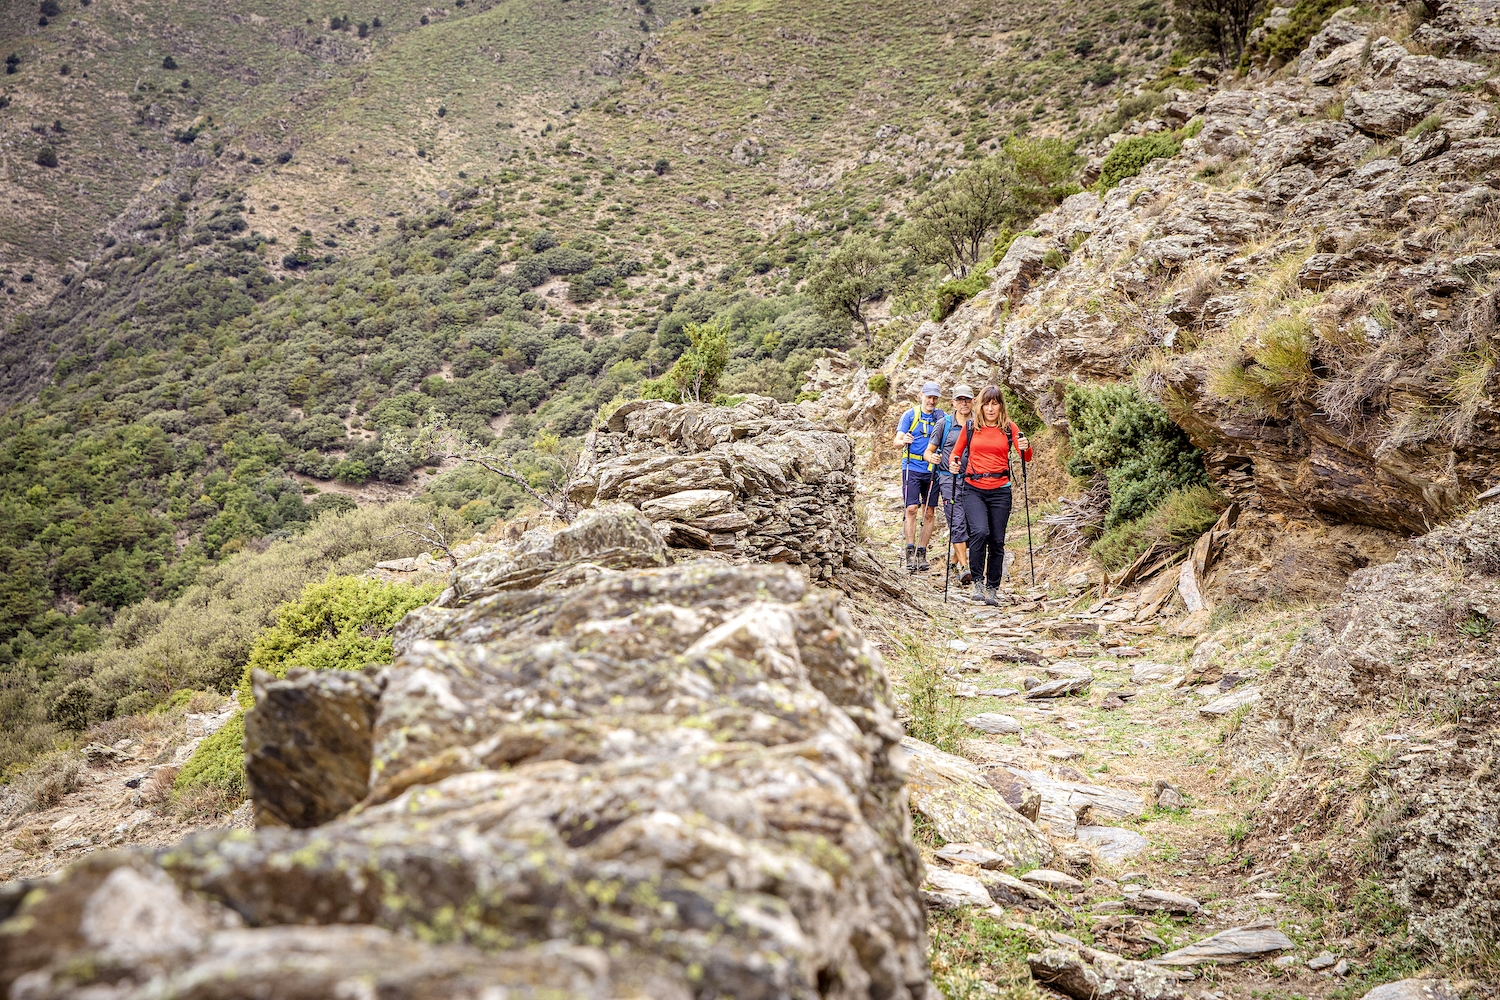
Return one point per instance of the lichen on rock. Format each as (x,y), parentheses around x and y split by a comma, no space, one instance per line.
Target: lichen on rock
(685,776)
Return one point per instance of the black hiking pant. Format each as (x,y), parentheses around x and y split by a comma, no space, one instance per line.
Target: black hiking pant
(986,514)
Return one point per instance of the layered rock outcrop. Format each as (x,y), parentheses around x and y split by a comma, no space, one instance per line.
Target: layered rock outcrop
(1412,641)
(591,774)
(758,480)
(1309,285)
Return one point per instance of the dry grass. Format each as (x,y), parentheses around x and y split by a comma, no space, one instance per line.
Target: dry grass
(42,786)
(157,789)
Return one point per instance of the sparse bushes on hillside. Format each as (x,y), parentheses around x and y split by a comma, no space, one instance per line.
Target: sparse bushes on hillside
(200,640)
(168,63)
(46,157)
(951,223)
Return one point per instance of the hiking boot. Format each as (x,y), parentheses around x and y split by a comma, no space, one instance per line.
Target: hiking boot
(911,558)
(922,564)
(964,576)
(982,595)
(993,589)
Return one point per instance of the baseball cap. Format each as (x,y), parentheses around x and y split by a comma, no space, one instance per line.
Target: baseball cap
(932,389)
(963,391)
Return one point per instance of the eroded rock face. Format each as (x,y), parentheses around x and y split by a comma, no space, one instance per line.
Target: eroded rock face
(1417,631)
(672,781)
(757,480)
(1281,184)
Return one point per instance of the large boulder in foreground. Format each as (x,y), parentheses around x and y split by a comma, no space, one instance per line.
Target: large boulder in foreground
(1412,641)
(673,781)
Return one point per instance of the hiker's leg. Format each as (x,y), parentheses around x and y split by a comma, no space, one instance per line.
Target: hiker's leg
(929,510)
(976,516)
(998,512)
(911,524)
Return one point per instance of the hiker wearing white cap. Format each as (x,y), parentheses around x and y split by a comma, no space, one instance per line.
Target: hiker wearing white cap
(939,451)
(919,475)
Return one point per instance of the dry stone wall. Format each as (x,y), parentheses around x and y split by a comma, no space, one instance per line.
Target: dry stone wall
(591,773)
(757,480)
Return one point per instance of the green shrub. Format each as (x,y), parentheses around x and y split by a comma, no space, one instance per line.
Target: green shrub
(46,157)
(877,383)
(1130,156)
(1180,518)
(1022,412)
(342,623)
(1130,440)
(168,63)
(219,762)
(1283,44)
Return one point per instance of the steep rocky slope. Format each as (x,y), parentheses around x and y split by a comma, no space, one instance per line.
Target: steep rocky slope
(1387,708)
(1307,285)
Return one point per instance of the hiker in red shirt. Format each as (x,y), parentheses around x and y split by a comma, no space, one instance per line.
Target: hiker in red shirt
(982,455)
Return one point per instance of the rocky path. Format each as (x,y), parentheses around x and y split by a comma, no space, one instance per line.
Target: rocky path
(1109,733)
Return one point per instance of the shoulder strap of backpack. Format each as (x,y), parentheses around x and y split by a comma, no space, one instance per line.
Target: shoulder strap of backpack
(963,460)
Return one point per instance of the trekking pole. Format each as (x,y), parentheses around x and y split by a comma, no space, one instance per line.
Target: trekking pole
(1026,498)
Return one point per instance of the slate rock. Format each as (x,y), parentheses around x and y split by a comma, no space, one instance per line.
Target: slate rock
(949,890)
(699,739)
(688,505)
(1384,113)
(994,723)
(1045,878)
(308,744)
(1112,843)
(1162,901)
(1225,704)
(1007,890)
(1087,974)
(1061,687)
(970,854)
(1017,792)
(1413,989)
(1238,944)
(962,807)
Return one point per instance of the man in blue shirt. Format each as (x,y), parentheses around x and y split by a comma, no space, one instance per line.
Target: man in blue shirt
(919,486)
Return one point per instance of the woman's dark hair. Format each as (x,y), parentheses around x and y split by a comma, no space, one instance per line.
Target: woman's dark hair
(992,394)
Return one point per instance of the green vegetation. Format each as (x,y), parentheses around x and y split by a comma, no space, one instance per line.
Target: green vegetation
(1282,44)
(1279,369)
(1146,459)
(1177,520)
(974,956)
(694,377)
(341,623)
(218,763)
(1130,156)
(77,673)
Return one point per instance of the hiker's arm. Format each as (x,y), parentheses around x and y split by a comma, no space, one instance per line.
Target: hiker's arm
(903,432)
(958,449)
(1023,445)
(931,454)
